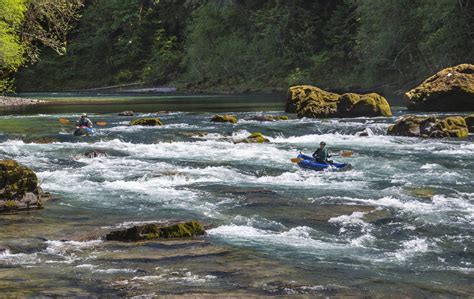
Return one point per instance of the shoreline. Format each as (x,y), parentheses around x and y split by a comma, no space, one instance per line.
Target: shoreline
(7,101)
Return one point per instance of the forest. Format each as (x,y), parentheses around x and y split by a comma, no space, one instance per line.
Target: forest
(237,45)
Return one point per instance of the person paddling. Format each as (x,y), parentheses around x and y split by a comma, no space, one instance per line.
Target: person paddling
(321,155)
(82,122)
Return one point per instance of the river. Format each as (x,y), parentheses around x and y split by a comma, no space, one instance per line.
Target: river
(399,224)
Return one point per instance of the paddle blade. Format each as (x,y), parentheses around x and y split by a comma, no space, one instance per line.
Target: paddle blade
(64,121)
(101,123)
(296,160)
(346,154)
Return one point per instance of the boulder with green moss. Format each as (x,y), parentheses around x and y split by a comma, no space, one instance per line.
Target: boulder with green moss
(146,121)
(226,118)
(357,105)
(451,89)
(158,230)
(311,101)
(254,138)
(430,127)
(19,188)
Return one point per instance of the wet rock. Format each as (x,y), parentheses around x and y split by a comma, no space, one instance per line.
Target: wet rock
(470,123)
(157,230)
(95,154)
(254,138)
(268,117)
(126,113)
(146,122)
(224,118)
(421,192)
(451,89)
(377,215)
(365,132)
(311,101)
(430,127)
(19,187)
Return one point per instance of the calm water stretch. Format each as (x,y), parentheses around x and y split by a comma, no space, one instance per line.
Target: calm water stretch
(399,224)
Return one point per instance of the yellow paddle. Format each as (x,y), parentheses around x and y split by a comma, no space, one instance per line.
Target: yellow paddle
(296,160)
(65,121)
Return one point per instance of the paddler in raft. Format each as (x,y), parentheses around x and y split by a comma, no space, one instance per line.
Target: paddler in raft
(321,155)
(82,122)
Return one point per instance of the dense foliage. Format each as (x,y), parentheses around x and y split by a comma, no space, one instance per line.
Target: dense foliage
(248,44)
(27,25)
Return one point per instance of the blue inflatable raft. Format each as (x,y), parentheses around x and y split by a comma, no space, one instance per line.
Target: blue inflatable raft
(310,163)
(84,131)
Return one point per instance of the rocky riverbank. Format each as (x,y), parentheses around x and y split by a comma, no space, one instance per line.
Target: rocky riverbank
(15,101)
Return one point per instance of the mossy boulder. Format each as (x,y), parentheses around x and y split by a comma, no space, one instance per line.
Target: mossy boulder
(357,105)
(311,101)
(451,89)
(146,121)
(470,123)
(157,230)
(254,138)
(19,187)
(430,127)
(301,96)
(226,118)
(268,117)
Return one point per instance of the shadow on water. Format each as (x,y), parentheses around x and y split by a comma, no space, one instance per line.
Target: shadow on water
(75,103)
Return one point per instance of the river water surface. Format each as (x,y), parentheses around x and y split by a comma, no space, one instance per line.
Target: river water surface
(399,224)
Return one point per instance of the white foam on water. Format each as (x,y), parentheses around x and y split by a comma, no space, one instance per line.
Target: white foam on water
(68,250)
(298,237)
(412,248)
(8,258)
(114,271)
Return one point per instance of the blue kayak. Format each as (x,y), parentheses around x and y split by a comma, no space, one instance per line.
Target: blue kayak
(310,163)
(84,131)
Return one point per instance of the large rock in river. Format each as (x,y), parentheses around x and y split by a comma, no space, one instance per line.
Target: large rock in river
(430,127)
(157,230)
(147,121)
(310,101)
(226,118)
(451,89)
(19,187)
(254,138)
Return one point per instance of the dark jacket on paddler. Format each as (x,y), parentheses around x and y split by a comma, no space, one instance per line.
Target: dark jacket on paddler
(321,155)
(84,121)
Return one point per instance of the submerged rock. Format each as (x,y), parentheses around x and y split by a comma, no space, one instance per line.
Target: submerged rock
(311,101)
(430,127)
(95,154)
(268,117)
(224,118)
(147,121)
(254,138)
(126,113)
(451,89)
(157,230)
(19,188)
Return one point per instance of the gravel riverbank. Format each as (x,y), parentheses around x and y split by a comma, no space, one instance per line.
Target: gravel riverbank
(15,101)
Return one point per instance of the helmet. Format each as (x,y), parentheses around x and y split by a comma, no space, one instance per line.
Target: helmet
(322,143)
(84,114)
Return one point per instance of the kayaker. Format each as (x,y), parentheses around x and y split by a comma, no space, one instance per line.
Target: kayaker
(83,121)
(321,155)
